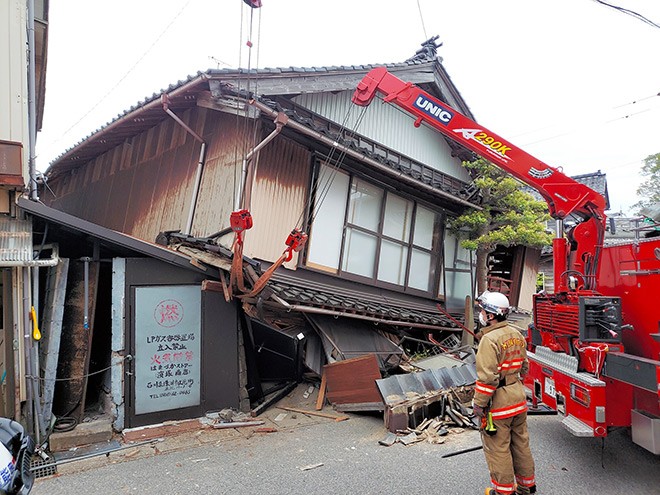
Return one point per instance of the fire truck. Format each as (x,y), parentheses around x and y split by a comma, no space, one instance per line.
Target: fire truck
(594,344)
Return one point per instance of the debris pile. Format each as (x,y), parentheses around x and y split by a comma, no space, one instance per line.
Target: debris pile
(429,417)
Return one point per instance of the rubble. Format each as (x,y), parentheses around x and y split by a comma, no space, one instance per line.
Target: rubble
(230,418)
(454,418)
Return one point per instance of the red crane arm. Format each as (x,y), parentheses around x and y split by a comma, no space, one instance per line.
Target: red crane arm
(564,195)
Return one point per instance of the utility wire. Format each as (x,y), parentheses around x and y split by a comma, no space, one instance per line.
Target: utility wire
(421,18)
(128,72)
(603,120)
(72,378)
(554,125)
(630,13)
(637,101)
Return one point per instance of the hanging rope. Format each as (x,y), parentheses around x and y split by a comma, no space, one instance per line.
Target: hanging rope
(336,165)
(241,219)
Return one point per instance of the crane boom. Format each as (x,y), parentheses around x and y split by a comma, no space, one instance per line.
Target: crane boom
(593,351)
(564,195)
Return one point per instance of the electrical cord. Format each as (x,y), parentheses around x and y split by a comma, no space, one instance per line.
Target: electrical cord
(64,423)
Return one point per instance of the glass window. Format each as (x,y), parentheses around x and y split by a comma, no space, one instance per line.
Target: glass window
(424,227)
(450,250)
(462,257)
(422,272)
(459,285)
(458,273)
(376,229)
(392,263)
(324,247)
(398,216)
(365,205)
(359,253)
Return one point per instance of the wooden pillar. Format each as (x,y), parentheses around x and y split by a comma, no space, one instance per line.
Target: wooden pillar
(466,337)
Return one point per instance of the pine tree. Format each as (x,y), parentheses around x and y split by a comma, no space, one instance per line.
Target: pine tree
(509,216)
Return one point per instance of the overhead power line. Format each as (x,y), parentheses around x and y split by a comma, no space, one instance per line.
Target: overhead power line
(630,13)
(128,72)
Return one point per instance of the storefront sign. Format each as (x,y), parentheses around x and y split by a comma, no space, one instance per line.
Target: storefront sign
(167,347)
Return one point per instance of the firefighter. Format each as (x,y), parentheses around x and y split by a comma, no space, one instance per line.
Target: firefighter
(500,399)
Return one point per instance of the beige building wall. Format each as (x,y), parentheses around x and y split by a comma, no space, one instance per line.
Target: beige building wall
(13,75)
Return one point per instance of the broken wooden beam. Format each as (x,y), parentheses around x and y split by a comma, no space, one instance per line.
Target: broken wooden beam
(321,398)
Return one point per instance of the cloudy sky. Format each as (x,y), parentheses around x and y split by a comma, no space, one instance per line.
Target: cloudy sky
(573,82)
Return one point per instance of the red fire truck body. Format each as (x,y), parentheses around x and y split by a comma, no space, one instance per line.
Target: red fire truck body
(594,345)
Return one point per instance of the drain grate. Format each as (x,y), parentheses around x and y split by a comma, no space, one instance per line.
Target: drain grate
(41,468)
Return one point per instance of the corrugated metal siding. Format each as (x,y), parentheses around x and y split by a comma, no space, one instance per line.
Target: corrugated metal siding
(279,198)
(390,126)
(225,137)
(144,186)
(140,187)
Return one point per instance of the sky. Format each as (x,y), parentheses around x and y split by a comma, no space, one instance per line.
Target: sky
(572,82)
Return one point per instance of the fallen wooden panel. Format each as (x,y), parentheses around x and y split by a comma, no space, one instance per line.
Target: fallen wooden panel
(353,381)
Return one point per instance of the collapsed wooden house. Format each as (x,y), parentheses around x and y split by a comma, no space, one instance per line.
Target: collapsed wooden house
(378,266)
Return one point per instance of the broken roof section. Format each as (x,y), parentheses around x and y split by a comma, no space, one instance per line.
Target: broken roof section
(312,293)
(344,339)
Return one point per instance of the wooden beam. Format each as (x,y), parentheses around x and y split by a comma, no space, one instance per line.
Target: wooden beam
(314,413)
(212,285)
(321,398)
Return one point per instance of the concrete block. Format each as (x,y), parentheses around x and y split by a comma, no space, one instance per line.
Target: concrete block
(83,434)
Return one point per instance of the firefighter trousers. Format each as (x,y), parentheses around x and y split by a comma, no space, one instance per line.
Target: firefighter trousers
(508,455)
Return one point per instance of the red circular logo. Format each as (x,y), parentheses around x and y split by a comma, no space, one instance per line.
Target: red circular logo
(168,313)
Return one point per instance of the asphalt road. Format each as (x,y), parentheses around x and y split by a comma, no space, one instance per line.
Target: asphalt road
(354,463)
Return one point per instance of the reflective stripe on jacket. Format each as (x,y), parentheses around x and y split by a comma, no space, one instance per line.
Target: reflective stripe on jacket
(501,361)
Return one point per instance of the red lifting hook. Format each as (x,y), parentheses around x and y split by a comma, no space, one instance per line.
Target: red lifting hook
(296,241)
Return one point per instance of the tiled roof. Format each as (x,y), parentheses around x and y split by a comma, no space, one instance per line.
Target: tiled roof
(594,180)
(305,293)
(201,78)
(313,290)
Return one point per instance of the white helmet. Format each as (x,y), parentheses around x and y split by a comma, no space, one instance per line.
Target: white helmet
(494,302)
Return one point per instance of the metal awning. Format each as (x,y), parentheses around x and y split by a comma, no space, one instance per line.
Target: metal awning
(398,389)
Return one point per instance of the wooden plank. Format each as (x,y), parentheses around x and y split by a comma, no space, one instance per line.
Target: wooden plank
(314,413)
(321,398)
(212,285)
(52,331)
(360,406)
(225,286)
